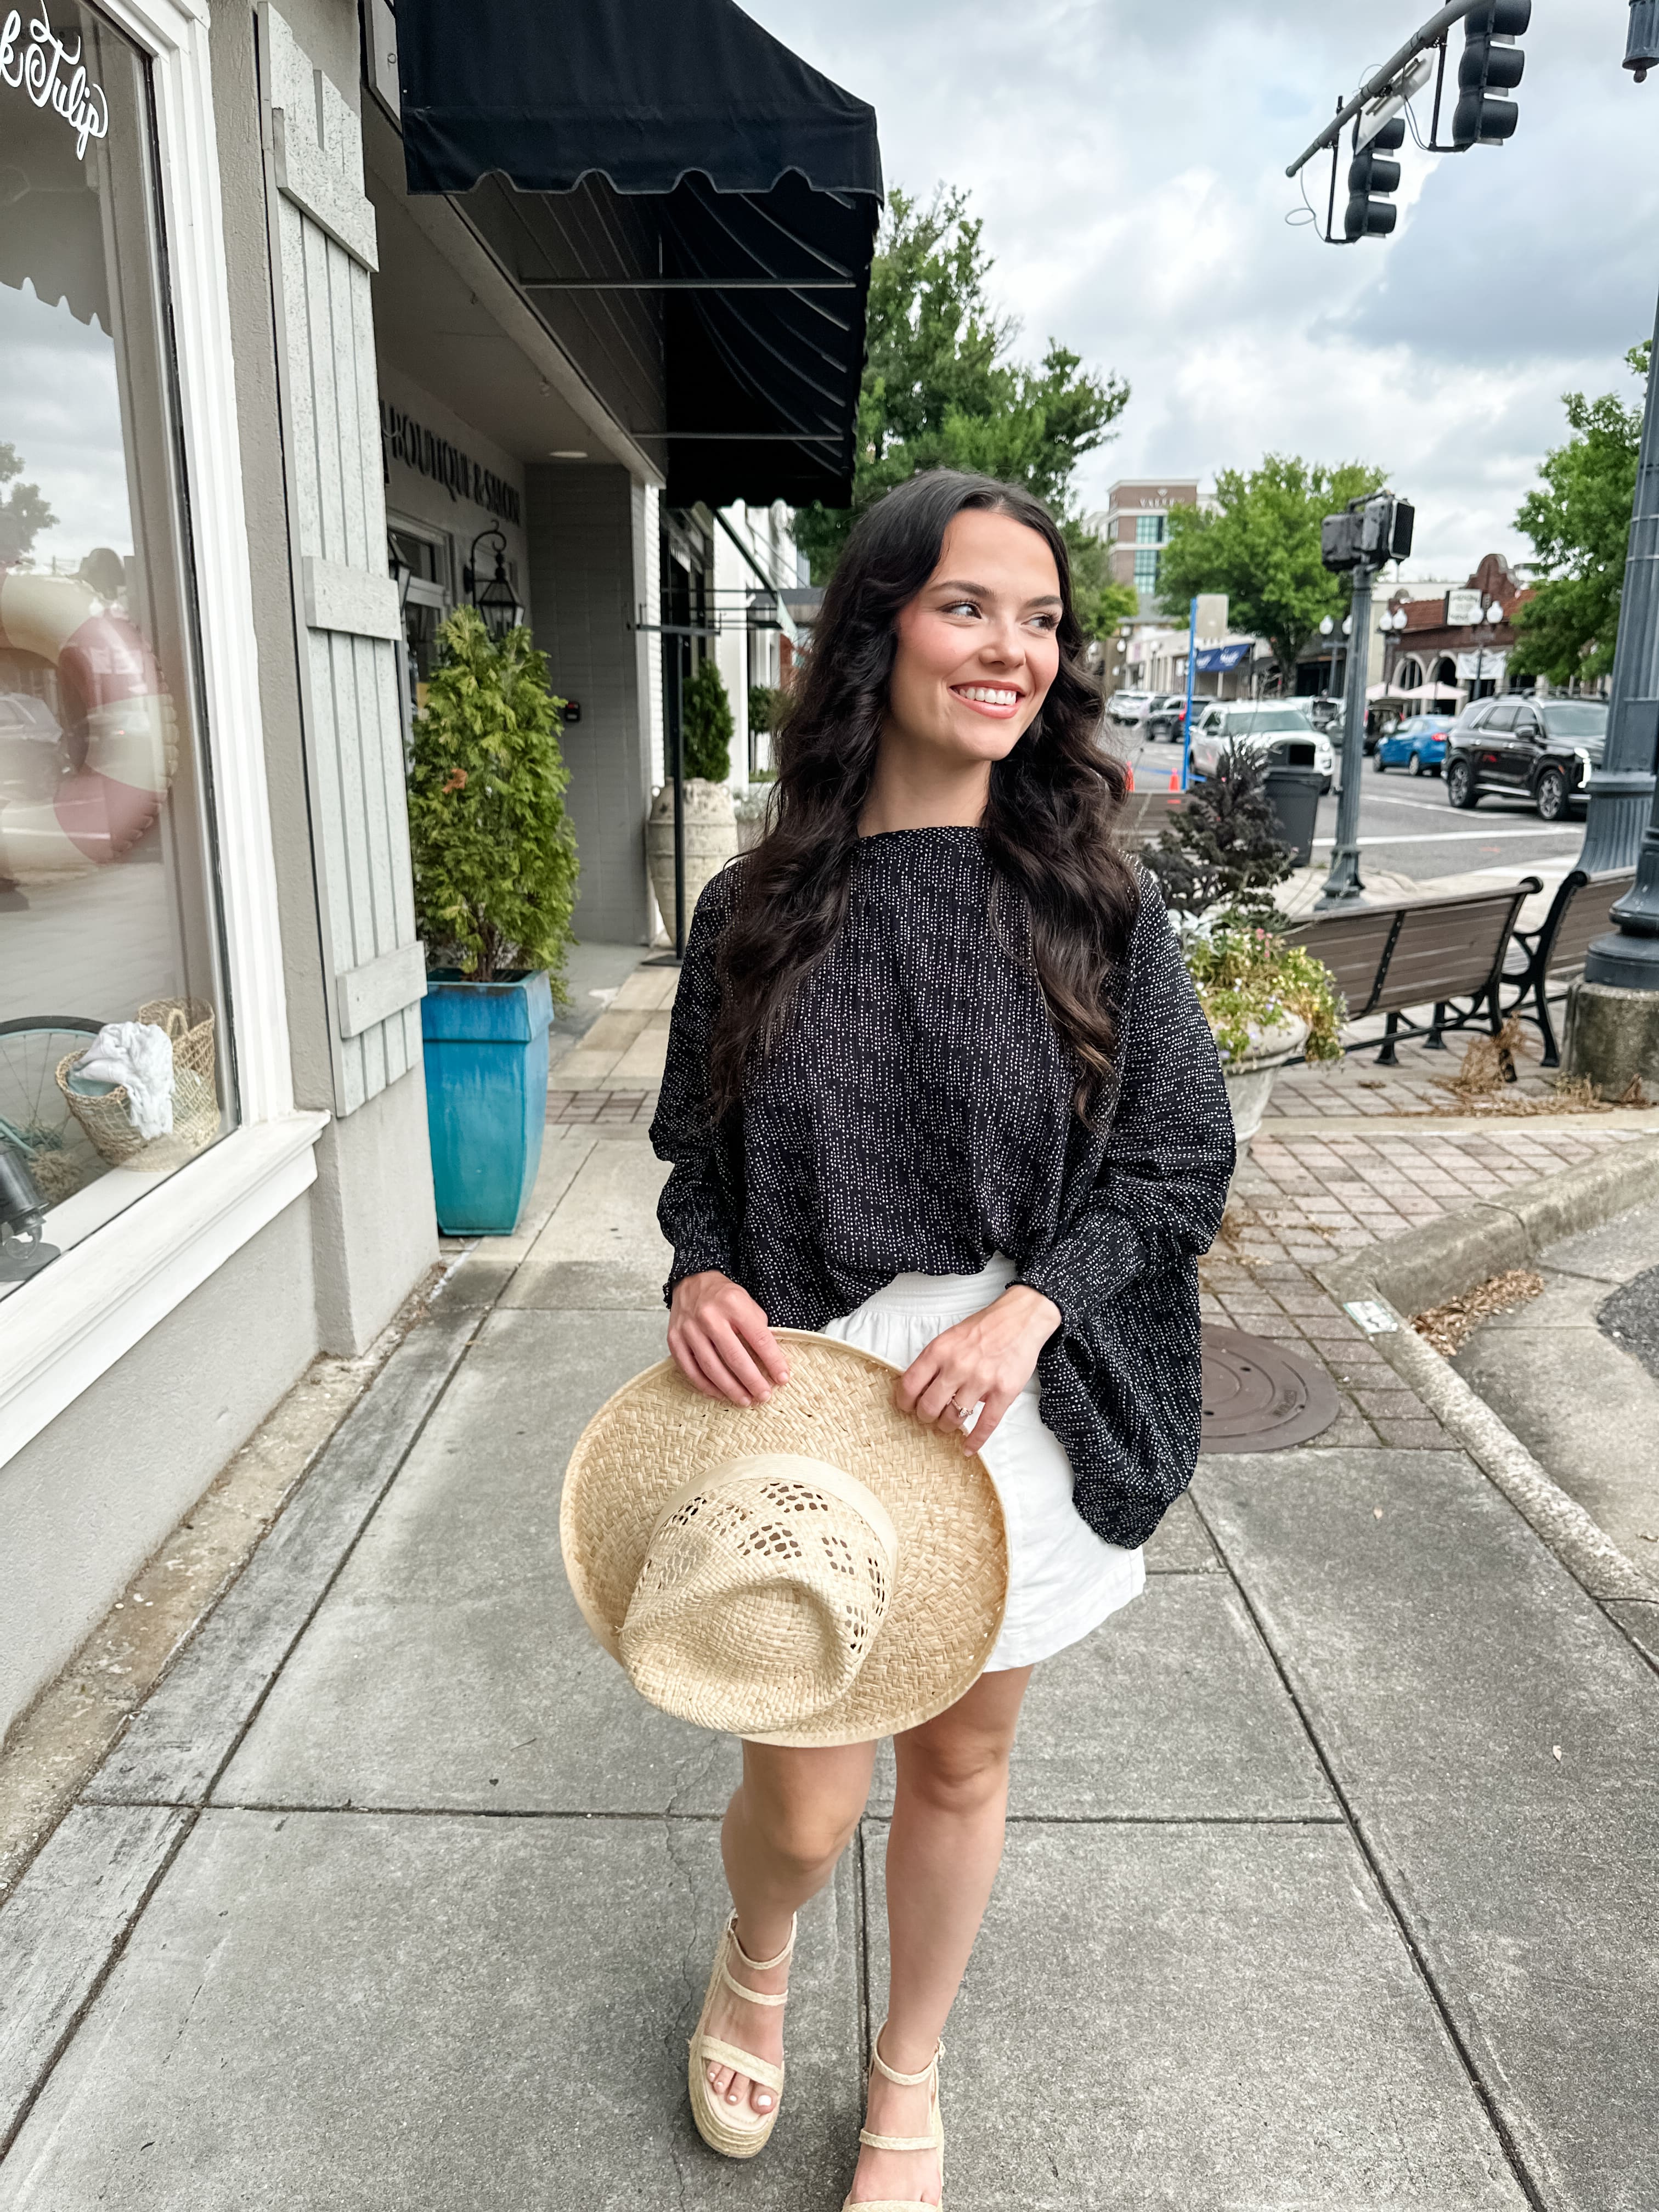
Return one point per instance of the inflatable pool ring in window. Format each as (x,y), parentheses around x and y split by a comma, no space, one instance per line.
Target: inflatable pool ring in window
(75,804)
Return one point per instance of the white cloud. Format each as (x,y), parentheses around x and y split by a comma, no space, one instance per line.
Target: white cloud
(1128,161)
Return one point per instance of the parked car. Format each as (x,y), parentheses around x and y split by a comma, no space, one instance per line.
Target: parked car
(1282,730)
(1516,747)
(1418,743)
(32,757)
(1129,706)
(1166,718)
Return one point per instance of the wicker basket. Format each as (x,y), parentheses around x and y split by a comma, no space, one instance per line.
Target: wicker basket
(189,1023)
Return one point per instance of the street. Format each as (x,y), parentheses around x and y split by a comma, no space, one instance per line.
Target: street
(1406,822)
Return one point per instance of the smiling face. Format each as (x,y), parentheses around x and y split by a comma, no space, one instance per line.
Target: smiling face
(977,648)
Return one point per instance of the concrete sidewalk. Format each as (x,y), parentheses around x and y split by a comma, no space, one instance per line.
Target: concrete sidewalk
(1330,1882)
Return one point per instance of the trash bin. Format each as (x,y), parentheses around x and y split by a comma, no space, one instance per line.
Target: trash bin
(1293,795)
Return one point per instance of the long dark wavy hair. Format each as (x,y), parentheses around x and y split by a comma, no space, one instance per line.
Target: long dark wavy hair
(1047,827)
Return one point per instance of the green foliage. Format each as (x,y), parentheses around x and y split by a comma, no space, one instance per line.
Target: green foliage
(706,723)
(23,514)
(1261,549)
(766,705)
(1247,979)
(495,854)
(1224,847)
(1103,604)
(939,390)
(1578,520)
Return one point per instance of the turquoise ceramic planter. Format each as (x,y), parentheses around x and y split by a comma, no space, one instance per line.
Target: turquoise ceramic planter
(486,1097)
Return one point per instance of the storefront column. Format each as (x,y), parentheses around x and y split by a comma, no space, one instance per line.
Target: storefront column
(589,552)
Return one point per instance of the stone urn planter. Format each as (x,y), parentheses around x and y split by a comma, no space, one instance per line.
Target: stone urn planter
(1249,1078)
(711,840)
(749,805)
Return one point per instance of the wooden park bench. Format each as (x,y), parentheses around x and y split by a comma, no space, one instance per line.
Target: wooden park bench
(1447,953)
(1552,954)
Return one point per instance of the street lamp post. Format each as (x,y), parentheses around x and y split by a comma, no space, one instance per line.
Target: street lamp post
(1624,805)
(1613,1011)
(1485,623)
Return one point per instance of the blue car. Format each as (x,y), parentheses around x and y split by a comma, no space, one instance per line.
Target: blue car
(1420,744)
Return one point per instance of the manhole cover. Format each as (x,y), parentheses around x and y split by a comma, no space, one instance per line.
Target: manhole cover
(1258,1397)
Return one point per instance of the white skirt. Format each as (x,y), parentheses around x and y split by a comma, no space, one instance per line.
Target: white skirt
(1063,1580)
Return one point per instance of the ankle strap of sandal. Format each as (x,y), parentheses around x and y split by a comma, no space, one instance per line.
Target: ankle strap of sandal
(759,1966)
(891,2074)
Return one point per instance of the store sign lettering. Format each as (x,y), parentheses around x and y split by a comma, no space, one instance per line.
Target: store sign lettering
(411,443)
(53,77)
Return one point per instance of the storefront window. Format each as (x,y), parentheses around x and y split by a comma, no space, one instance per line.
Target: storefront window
(420,560)
(108,915)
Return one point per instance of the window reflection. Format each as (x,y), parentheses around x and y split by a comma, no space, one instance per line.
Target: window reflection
(106,905)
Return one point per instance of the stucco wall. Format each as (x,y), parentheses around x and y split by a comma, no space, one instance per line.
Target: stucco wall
(86,1503)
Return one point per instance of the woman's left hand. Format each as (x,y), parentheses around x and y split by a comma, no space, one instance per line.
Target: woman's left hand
(985,1361)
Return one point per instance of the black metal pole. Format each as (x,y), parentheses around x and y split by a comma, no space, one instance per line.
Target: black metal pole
(1344,882)
(1624,809)
(677,732)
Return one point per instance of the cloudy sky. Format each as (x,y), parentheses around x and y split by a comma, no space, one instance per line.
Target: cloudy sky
(1128,158)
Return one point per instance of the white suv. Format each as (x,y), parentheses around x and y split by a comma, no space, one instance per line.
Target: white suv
(1129,706)
(1279,730)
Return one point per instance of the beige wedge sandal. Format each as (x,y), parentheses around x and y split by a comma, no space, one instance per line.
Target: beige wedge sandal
(935,2141)
(717,2123)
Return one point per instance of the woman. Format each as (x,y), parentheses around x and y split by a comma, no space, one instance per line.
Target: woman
(937,1085)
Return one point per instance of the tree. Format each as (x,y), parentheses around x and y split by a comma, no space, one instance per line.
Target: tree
(708,724)
(494,853)
(23,514)
(1261,548)
(939,390)
(1578,520)
(1103,604)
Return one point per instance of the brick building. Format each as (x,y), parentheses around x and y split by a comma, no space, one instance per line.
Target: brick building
(1461,659)
(1136,525)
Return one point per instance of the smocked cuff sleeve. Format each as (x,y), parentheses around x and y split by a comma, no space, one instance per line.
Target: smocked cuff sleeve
(695,1212)
(1161,1185)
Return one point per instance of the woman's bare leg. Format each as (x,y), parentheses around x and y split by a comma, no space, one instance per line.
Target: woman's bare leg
(942,1857)
(788,1822)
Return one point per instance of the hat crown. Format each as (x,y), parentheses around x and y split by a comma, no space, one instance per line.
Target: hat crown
(763,1584)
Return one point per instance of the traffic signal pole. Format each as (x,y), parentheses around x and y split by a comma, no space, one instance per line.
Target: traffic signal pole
(1344,882)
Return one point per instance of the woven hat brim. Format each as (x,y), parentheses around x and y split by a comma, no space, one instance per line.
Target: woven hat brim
(950,1585)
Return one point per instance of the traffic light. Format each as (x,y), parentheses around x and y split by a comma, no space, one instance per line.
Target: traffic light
(1492,62)
(1373,528)
(1372,174)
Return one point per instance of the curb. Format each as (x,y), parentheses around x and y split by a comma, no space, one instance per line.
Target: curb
(1450,1256)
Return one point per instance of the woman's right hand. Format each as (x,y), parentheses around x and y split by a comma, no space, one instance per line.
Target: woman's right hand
(720,1341)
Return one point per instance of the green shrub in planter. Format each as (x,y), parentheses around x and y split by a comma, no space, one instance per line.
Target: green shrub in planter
(1224,847)
(766,704)
(1249,979)
(706,723)
(494,853)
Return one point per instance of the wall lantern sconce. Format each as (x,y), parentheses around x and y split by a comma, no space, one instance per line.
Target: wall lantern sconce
(495,599)
(398,569)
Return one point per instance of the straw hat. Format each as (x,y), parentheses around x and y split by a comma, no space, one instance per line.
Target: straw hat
(820,1569)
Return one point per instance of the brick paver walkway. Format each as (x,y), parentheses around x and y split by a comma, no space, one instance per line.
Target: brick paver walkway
(605,1107)
(1312,1188)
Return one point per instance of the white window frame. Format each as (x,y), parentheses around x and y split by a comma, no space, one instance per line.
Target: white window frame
(63,1330)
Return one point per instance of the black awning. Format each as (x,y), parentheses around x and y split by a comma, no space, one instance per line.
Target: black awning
(763,182)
